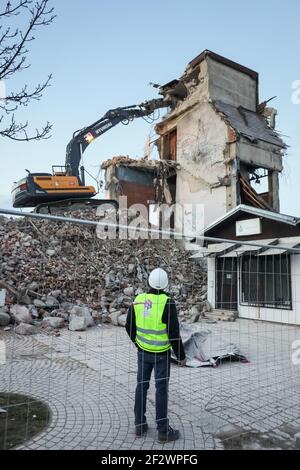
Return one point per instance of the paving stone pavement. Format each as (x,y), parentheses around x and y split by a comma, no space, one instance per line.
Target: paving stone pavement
(88,381)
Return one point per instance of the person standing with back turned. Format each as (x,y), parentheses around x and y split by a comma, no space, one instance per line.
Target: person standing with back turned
(152,325)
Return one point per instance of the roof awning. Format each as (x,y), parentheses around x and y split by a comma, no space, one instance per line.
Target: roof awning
(232,250)
(211,250)
(289,242)
(239,251)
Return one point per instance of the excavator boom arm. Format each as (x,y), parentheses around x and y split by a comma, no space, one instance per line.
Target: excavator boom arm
(81,139)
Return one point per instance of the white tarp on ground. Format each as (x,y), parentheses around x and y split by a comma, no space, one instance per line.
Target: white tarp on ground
(205,348)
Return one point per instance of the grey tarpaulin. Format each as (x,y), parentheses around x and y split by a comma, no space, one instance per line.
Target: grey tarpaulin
(205,348)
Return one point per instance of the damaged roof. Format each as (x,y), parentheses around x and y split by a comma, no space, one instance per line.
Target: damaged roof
(249,124)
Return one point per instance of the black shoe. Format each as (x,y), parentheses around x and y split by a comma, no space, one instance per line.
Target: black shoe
(169,435)
(140,429)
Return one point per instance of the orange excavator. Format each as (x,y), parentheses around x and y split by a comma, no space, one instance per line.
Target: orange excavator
(65,186)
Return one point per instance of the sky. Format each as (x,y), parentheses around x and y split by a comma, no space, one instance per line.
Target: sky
(103,54)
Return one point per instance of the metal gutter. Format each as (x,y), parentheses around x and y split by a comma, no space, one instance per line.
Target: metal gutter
(170,233)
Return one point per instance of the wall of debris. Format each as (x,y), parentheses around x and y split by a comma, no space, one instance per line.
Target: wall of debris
(61,274)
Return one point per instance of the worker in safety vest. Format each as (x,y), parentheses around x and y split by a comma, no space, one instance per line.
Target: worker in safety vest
(152,325)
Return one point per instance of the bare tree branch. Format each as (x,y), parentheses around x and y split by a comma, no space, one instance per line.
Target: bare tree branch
(23,97)
(18,131)
(14,10)
(40,16)
(13,58)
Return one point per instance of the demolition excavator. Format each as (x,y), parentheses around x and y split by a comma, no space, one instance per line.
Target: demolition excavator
(65,186)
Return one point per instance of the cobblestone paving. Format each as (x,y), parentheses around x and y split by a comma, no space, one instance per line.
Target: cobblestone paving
(88,380)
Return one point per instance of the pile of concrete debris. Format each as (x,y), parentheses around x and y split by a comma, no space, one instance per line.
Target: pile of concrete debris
(145,163)
(61,274)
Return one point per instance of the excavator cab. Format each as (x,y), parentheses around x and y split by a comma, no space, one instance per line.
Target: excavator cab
(39,188)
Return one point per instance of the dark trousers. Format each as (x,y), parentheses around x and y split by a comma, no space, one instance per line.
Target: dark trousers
(161,365)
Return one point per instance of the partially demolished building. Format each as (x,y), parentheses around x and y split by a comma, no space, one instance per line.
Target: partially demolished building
(221,138)
(142,181)
(217,144)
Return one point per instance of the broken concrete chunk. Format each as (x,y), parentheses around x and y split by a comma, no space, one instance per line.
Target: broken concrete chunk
(127,301)
(55,293)
(96,315)
(194,310)
(25,299)
(105,318)
(206,307)
(4,309)
(63,315)
(129,291)
(51,301)
(139,291)
(4,319)
(50,252)
(194,314)
(80,318)
(53,322)
(39,303)
(114,316)
(83,312)
(20,314)
(25,329)
(77,323)
(122,319)
(175,289)
(66,306)
(26,238)
(33,311)
(2,297)
(33,286)
(131,268)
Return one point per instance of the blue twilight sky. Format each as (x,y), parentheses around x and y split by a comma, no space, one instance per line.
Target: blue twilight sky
(103,54)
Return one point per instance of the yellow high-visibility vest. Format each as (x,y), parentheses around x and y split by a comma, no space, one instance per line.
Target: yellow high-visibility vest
(151,332)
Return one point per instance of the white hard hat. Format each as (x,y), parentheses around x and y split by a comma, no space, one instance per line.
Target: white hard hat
(158,279)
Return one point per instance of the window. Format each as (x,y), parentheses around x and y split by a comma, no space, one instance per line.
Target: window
(170,145)
(226,283)
(266,281)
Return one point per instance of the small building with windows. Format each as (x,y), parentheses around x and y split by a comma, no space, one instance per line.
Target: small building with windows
(253,264)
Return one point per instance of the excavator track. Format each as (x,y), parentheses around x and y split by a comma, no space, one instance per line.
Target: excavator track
(71,205)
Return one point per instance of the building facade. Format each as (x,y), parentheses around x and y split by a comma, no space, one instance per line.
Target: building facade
(253,264)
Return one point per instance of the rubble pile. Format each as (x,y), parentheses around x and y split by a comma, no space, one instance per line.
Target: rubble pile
(145,162)
(58,274)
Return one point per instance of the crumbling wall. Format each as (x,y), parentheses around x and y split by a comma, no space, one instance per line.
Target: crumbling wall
(142,181)
(266,156)
(231,86)
(219,128)
(202,155)
(261,154)
(135,184)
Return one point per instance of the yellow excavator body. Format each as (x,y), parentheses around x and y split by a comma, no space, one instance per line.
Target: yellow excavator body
(38,188)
